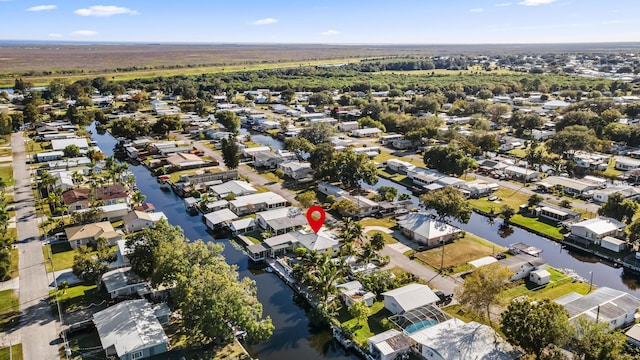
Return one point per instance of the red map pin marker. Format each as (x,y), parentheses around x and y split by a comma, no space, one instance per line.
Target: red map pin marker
(315,217)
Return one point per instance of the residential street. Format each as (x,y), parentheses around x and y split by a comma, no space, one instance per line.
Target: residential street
(38,327)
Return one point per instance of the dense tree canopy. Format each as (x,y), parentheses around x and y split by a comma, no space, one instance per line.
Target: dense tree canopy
(448,160)
(482,288)
(449,203)
(619,208)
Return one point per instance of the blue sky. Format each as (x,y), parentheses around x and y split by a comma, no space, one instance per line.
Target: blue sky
(328,21)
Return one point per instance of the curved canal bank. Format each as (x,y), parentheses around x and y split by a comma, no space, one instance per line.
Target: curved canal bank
(294,336)
(555,255)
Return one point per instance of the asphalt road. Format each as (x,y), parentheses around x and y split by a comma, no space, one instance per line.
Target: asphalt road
(38,327)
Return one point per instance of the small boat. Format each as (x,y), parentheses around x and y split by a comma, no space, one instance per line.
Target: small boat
(268,269)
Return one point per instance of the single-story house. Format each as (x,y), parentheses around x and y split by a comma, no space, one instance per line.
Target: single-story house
(130,330)
(521,174)
(112,212)
(556,213)
(455,339)
(249,204)
(185,160)
(242,226)
(123,282)
(633,335)
(522,265)
(63,180)
(138,220)
(296,170)
(626,164)
(424,229)
(610,306)
(279,221)
(409,297)
(112,194)
(235,187)
(61,144)
(88,234)
(49,156)
(76,199)
(594,230)
(323,242)
(216,219)
(613,244)
(389,345)
(366,132)
(399,166)
(629,192)
(353,292)
(572,187)
(478,188)
(216,205)
(347,126)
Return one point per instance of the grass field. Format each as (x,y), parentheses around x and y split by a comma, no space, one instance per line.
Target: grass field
(13,266)
(62,256)
(388,239)
(362,330)
(75,296)
(6,173)
(9,309)
(537,225)
(458,253)
(470,70)
(15,353)
(560,285)
(505,196)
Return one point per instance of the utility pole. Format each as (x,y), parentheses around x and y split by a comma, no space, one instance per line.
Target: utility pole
(67,350)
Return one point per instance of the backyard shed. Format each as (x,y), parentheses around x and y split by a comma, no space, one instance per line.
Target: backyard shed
(613,244)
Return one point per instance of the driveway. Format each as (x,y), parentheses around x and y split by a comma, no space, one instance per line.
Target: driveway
(38,327)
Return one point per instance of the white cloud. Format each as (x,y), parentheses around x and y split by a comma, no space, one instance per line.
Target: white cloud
(503,4)
(102,10)
(477,10)
(265,21)
(55,35)
(535,2)
(85,33)
(330,32)
(42,8)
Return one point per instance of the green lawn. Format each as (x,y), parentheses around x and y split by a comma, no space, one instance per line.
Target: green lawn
(62,256)
(387,222)
(388,239)
(457,254)
(255,236)
(537,225)
(560,285)
(271,177)
(78,295)
(13,266)
(362,330)
(15,353)
(9,309)
(505,196)
(6,173)
(5,151)
(611,171)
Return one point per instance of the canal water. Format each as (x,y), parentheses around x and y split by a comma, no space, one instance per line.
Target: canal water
(554,254)
(294,336)
(265,140)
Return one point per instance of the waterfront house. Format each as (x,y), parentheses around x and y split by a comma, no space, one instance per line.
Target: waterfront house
(138,220)
(571,187)
(112,194)
(242,226)
(409,297)
(610,306)
(88,234)
(556,213)
(279,221)
(123,282)
(215,205)
(478,188)
(389,345)
(217,219)
(455,339)
(424,229)
(594,230)
(522,265)
(353,292)
(233,187)
(633,335)
(130,330)
(323,242)
(249,204)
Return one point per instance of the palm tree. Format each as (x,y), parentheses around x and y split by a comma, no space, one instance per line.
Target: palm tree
(47,180)
(77,178)
(368,253)
(377,241)
(138,198)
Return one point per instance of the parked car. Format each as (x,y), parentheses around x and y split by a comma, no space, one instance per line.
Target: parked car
(445,297)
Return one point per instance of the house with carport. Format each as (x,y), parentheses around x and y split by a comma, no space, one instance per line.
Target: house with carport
(596,229)
(409,297)
(424,229)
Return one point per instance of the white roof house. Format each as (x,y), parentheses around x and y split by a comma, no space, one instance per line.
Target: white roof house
(216,218)
(389,344)
(610,306)
(408,297)
(257,202)
(443,342)
(130,330)
(236,187)
(60,144)
(426,230)
(63,180)
(322,242)
(594,230)
(280,220)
